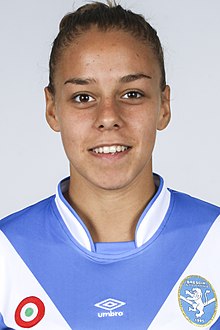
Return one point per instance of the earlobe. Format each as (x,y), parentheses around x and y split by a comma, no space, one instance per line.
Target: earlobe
(51,110)
(165,113)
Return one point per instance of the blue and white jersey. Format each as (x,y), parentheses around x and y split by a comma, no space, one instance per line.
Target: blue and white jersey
(54,277)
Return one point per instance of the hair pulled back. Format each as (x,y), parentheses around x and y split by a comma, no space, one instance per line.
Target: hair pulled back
(105,17)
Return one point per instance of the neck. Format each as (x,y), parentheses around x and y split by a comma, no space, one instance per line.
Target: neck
(110,215)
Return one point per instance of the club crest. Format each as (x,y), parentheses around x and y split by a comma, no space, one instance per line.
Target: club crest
(197,300)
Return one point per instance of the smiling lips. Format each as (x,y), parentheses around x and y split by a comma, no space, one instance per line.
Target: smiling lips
(110,149)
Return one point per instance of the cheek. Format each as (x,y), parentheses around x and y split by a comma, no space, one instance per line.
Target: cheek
(145,125)
(73,134)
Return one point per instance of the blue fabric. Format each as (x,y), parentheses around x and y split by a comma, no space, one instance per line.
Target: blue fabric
(114,247)
(76,279)
(216,326)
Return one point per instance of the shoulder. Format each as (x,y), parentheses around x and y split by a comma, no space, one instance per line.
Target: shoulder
(194,206)
(34,211)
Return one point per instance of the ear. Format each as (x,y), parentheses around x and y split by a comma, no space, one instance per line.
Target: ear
(165,113)
(51,115)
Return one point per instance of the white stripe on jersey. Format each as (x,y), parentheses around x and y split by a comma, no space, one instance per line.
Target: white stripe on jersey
(23,284)
(202,264)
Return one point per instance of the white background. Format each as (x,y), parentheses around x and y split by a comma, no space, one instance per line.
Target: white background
(187,152)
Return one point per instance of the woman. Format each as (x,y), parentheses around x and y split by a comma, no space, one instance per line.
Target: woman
(114,249)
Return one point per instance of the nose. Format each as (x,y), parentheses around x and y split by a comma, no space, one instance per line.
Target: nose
(108,116)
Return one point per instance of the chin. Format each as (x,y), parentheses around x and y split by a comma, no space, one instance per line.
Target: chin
(112,185)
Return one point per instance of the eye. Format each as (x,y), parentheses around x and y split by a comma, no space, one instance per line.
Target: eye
(132,95)
(83,98)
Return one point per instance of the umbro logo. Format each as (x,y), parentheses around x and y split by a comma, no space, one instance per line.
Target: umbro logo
(109,305)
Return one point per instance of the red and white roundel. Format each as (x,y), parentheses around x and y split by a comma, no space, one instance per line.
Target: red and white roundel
(29,312)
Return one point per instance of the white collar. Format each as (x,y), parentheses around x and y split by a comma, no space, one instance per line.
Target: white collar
(148,223)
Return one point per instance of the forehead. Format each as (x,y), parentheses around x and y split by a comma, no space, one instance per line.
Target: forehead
(113,51)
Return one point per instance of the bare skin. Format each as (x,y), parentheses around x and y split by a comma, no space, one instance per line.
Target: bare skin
(108,94)
(111,217)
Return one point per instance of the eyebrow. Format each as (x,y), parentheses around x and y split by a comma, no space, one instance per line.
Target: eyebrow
(125,79)
(133,77)
(80,81)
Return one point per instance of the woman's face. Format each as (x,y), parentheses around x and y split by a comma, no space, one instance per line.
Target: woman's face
(108,105)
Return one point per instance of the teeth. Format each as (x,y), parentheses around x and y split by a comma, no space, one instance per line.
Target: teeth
(112,149)
(106,150)
(109,150)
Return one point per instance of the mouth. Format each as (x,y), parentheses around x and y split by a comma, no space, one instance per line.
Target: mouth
(112,149)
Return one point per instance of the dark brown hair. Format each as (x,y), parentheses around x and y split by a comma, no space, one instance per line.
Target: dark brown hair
(106,17)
